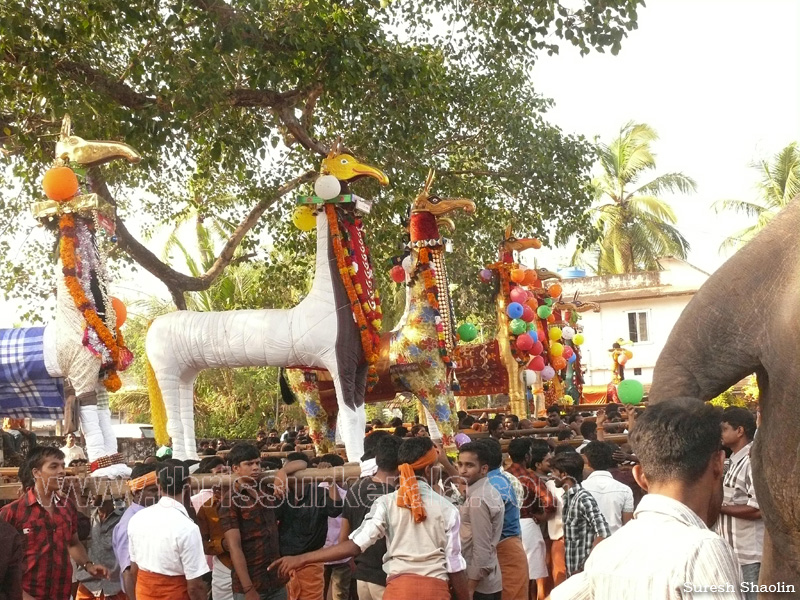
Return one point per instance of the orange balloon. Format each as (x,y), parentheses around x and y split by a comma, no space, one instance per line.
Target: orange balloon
(60,183)
(551,318)
(554,290)
(120,310)
(559,363)
(533,303)
(531,278)
(517,275)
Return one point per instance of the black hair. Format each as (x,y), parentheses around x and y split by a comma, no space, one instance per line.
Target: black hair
(333,460)
(377,422)
(494,424)
(519,448)
(467,422)
(298,456)
(141,469)
(208,452)
(570,463)
(36,458)
(209,463)
(396,422)
(241,452)
(539,450)
(461,415)
(589,430)
(416,429)
(564,435)
(564,448)
(675,439)
(172,479)
(573,417)
(554,408)
(514,418)
(600,456)
(412,449)
(400,431)
(495,452)
(371,443)
(386,452)
(481,451)
(271,463)
(736,417)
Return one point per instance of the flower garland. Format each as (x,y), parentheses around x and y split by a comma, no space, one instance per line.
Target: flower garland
(370,339)
(115,346)
(429,279)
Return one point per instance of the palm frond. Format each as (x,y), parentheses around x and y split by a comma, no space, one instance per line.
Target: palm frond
(670,182)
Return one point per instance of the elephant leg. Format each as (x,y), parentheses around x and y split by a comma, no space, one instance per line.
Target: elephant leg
(90,426)
(109,437)
(187,419)
(351,422)
(169,385)
(432,389)
(306,389)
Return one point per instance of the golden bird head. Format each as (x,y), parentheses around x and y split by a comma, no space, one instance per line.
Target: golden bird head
(438,207)
(512,243)
(90,153)
(345,167)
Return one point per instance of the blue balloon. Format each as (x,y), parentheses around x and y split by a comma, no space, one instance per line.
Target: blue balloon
(572,358)
(514,310)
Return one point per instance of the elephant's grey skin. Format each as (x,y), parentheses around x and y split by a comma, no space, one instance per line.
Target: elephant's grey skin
(746,319)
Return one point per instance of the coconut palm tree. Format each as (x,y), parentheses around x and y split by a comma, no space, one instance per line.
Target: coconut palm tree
(634,225)
(780,183)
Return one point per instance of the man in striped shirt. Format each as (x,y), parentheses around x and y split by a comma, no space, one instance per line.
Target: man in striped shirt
(584,524)
(667,551)
(740,520)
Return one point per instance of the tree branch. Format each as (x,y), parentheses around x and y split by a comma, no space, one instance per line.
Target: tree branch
(178,283)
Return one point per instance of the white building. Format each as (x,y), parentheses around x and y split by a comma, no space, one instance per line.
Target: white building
(639,307)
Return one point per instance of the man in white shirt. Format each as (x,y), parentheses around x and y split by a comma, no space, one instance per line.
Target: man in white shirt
(740,521)
(71,450)
(166,548)
(667,551)
(615,499)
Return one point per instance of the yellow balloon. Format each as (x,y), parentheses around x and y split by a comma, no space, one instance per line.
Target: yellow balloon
(555,333)
(578,339)
(304,219)
(556,349)
(628,353)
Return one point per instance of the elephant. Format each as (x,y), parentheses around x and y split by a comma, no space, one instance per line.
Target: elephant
(746,319)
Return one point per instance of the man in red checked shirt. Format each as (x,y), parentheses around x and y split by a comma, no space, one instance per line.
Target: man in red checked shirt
(48,523)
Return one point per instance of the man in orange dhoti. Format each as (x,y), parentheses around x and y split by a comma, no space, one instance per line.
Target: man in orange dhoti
(166,548)
(423,550)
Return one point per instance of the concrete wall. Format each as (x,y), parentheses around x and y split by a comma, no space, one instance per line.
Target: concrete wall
(611,323)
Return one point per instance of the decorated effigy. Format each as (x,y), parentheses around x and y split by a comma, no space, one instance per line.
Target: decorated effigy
(336,327)
(84,346)
(416,356)
(538,340)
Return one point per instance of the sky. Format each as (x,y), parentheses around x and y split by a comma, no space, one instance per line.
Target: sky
(719,81)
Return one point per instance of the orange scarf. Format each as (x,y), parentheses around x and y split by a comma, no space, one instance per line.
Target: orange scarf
(408,493)
(142,482)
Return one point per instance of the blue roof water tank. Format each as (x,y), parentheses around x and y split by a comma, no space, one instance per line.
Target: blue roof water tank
(571,272)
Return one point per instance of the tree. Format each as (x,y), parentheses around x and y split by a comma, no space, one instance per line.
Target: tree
(635,227)
(779,185)
(240,99)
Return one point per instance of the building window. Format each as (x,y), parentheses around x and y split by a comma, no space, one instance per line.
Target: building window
(637,370)
(637,327)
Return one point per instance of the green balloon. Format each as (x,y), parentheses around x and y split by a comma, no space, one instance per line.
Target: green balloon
(467,332)
(548,301)
(518,326)
(630,391)
(544,311)
(532,326)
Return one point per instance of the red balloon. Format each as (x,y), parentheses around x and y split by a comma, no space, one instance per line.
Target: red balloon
(536,364)
(537,348)
(567,352)
(518,295)
(528,314)
(398,274)
(524,342)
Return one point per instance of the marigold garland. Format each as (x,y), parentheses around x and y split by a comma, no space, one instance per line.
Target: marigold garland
(368,331)
(69,268)
(431,289)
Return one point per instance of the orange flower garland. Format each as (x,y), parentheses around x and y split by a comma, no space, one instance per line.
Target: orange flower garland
(429,279)
(368,343)
(68,260)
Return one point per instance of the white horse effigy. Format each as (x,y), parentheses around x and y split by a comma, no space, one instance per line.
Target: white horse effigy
(84,344)
(335,327)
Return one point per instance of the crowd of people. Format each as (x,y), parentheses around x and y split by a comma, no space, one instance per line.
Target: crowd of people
(545,519)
